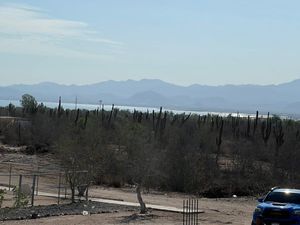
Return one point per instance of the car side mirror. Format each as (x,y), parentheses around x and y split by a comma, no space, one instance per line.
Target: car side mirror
(260,200)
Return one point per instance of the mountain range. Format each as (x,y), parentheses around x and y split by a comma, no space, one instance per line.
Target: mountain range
(278,99)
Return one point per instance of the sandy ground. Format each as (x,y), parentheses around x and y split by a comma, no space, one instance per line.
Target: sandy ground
(237,211)
(159,218)
(216,211)
(104,219)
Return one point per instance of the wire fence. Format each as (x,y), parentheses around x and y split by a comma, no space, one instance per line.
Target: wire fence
(40,187)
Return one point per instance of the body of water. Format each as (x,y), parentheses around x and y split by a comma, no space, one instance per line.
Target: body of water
(72,106)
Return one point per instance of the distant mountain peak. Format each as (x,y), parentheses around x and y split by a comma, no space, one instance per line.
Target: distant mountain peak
(156,92)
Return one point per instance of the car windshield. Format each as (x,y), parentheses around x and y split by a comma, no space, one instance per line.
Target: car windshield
(283,197)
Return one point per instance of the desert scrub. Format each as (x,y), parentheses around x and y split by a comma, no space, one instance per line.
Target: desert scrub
(21,199)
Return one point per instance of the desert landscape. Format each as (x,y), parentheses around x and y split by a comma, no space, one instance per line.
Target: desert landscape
(217,211)
(149,112)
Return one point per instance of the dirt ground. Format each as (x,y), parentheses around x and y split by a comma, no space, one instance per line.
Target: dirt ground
(236,211)
(158,218)
(216,211)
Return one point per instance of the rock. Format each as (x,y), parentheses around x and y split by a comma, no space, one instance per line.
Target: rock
(34,216)
(85,213)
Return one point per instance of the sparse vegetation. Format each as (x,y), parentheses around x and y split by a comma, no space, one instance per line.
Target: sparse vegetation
(21,198)
(207,155)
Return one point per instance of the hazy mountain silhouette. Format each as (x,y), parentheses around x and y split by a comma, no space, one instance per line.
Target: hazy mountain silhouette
(282,98)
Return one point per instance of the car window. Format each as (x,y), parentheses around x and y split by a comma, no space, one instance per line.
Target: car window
(283,197)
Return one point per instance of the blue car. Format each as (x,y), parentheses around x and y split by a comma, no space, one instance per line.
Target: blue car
(280,206)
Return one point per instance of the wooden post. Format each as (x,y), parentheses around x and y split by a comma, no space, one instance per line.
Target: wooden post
(37,184)
(9,181)
(37,180)
(59,186)
(20,183)
(87,193)
(20,187)
(33,189)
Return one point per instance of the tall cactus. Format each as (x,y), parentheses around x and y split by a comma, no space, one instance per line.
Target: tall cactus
(255,123)
(219,142)
(248,127)
(110,115)
(59,107)
(297,134)
(153,120)
(199,121)
(279,138)
(212,124)
(77,116)
(163,122)
(102,115)
(266,129)
(185,118)
(85,119)
(158,120)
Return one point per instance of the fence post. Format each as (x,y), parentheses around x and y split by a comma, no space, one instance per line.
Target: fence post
(65,184)
(87,193)
(37,180)
(20,182)
(183,212)
(9,179)
(37,184)
(33,189)
(186,211)
(59,186)
(20,187)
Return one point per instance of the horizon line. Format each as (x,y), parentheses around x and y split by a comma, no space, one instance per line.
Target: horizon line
(149,79)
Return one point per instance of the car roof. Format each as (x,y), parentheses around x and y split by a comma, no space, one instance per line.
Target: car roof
(296,191)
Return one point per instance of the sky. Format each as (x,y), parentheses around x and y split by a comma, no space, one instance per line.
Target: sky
(212,42)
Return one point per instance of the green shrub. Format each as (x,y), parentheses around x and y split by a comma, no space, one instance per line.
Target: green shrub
(21,199)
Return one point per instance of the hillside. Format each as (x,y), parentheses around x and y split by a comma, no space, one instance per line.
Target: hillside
(282,98)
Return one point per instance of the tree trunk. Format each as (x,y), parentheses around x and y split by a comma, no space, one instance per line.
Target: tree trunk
(218,155)
(140,199)
(73,194)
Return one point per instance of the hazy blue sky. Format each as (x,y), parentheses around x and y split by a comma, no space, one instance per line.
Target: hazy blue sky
(208,42)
